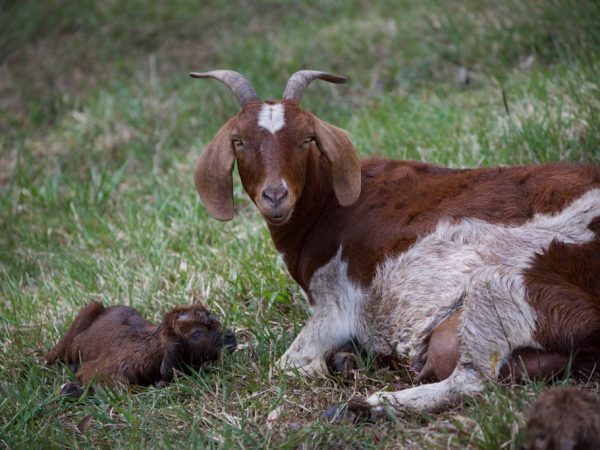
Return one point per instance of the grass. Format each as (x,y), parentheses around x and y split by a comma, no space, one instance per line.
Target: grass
(100,126)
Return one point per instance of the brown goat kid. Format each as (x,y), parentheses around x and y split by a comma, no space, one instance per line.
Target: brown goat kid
(472,274)
(564,419)
(117,345)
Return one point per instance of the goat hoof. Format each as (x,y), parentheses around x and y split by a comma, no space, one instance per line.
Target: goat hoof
(356,410)
(74,390)
(229,341)
(342,363)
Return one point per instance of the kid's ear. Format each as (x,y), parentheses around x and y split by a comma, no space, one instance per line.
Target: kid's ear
(177,321)
(170,352)
(214,174)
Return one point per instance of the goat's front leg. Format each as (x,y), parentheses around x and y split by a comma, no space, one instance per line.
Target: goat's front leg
(325,331)
(336,303)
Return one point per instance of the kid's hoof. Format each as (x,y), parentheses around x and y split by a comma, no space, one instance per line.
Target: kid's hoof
(342,363)
(74,390)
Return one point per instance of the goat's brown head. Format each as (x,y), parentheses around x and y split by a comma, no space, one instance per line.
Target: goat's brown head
(272,141)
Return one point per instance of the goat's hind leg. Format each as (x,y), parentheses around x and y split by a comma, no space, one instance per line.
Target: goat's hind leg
(464,381)
(428,397)
(496,319)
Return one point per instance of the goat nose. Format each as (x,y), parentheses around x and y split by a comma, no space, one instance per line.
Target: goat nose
(275,194)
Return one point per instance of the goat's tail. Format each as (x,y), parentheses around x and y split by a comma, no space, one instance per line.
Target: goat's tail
(83,321)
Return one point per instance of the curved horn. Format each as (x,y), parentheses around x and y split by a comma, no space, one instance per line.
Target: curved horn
(301,79)
(242,89)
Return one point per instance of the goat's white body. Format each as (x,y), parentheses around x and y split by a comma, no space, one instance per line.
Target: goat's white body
(469,265)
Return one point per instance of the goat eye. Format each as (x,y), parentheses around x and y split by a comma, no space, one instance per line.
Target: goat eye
(308,140)
(196,334)
(237,142)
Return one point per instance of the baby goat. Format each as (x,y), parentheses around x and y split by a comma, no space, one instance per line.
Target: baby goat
(564,419)
(463,271)
(117,345)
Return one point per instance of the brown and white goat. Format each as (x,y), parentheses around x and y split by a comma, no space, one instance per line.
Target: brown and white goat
(117,345)
(468,272)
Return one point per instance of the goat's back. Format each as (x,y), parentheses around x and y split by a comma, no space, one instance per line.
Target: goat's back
(100,331)
(403,200)
(117,329)
(82,322)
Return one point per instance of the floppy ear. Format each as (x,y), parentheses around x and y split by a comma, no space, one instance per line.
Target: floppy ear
(168,361)
(177,320)
(345,164)
(213,175)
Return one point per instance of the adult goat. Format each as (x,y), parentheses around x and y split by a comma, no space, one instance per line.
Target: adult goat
(468,272)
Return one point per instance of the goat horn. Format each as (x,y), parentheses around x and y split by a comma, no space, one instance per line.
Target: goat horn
(301,79)
(242,89)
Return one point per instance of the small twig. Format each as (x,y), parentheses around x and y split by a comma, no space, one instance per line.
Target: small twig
(505,102)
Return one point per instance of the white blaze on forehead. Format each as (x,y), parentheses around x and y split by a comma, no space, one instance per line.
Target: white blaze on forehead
(271,117)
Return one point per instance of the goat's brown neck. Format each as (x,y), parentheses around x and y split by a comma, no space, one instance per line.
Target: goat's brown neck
(317,197)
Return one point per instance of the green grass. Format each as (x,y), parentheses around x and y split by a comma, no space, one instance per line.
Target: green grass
(100,126)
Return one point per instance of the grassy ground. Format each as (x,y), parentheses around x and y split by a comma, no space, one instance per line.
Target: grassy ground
(100,126)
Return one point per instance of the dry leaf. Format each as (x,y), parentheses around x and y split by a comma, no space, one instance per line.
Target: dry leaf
(273,416)
(84,424)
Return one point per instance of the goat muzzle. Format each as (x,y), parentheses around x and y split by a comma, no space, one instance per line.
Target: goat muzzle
(275,203)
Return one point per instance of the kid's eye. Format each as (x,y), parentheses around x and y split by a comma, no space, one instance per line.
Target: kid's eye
(196,334)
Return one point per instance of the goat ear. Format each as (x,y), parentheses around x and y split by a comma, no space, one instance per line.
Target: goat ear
(337,147)
(177,321)
(214,174)
(168,361)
